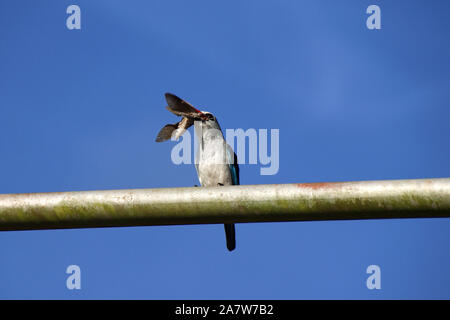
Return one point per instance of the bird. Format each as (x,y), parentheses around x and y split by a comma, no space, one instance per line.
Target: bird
(216,162)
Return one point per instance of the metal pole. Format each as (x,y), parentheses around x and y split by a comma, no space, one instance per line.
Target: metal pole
(424,198)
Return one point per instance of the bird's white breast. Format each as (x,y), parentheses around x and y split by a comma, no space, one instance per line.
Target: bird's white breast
(212,161)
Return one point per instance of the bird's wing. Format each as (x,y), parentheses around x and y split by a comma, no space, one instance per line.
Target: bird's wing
(180,107)
(233,165)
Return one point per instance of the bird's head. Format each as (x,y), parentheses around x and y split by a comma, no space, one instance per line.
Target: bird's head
(206,116)
(207,121)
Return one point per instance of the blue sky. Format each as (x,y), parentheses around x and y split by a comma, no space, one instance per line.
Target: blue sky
(80,109)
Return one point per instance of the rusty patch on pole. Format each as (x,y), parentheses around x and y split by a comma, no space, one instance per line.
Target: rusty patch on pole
(319,185)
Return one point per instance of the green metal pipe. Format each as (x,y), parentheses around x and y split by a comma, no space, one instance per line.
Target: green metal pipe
(423,198)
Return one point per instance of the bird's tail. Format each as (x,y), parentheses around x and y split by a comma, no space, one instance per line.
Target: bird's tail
(230,234)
